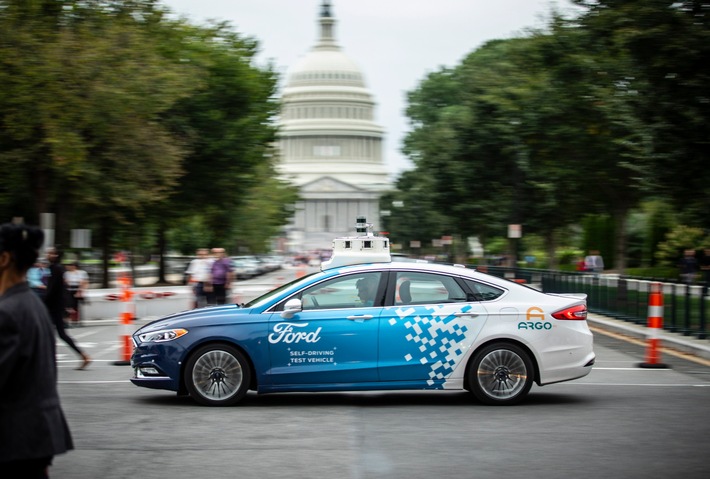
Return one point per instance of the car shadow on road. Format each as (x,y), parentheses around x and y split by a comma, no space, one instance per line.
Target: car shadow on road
(373,399)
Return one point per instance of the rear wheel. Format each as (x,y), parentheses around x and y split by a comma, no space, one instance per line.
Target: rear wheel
(501,374)
(217,375)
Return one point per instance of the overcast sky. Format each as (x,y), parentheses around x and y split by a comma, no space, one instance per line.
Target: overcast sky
(394,42)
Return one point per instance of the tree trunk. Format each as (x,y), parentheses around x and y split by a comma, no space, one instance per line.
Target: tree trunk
(104,235)
(161,252)
(620,217)
(551,246)
(40,190)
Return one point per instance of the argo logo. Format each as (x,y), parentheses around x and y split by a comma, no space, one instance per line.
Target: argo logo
(532,314)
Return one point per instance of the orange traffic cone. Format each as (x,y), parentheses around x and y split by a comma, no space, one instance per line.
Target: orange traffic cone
(127,316)
(655,325)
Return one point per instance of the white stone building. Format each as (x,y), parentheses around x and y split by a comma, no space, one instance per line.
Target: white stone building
(330,146)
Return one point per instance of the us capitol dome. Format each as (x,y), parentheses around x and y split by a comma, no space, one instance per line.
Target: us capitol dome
(329,144)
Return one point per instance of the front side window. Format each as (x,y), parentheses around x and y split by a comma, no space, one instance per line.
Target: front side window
(351,291)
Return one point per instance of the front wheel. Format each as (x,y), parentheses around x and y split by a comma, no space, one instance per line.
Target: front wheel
(217,375)
(501,374)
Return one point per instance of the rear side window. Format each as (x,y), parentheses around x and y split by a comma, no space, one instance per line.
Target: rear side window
(483,292)
(427,288)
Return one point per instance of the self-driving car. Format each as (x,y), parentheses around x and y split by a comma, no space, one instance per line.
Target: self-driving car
(364,322)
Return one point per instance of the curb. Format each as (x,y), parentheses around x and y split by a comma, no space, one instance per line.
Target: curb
(685,344)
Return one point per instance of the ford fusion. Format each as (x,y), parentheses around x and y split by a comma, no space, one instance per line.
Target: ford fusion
(377,326)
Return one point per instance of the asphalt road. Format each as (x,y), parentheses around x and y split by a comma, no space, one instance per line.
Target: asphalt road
(621,421)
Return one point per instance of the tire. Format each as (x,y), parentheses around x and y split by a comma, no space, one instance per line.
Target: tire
(217,375)
(501,374)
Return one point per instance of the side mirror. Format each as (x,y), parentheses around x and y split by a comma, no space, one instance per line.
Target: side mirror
(291,307)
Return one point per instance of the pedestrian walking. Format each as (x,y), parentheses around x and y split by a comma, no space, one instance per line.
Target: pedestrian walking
(198,276)
(594,262)
(33,428)
(221,275)
(688,266)
(581,265)
(37,277)
(77,281)
(705,265)
(55,300)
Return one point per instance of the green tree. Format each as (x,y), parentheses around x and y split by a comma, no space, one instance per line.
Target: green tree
(118,118)
(606,147)
(666,45)
(456,144)
(679,239)
(538,130)
(85,90)
(413,214)
(265,211)
(228,126)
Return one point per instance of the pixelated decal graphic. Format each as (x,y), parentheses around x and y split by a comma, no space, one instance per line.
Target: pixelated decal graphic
(439,334)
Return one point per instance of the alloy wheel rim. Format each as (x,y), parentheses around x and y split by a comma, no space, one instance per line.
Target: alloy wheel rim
(217,375)
(502,374)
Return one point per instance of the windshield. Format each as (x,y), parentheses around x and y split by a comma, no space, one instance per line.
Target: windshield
(268,296)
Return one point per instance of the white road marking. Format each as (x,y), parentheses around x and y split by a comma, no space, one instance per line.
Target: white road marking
(123,381)
(632,369)
(653,385)
(60,361)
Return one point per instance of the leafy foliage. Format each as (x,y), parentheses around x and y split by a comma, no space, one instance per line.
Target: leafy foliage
(117,117)
(559,124)
(679,239)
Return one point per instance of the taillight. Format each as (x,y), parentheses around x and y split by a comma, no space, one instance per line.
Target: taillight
(578,312)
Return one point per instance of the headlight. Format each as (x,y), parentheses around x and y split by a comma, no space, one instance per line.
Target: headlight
(162,335)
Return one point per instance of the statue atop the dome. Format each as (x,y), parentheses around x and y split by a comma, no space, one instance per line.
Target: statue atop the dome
(325,11)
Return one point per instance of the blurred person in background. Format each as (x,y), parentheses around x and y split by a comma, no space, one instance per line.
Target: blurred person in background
(581,265)
(221,275)
(594,262)
(33,428)
(55,300)
(705,265)
(37,277)
(77,281)
(199,272)
(688,266)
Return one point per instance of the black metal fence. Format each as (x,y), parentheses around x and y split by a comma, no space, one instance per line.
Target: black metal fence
(623,297)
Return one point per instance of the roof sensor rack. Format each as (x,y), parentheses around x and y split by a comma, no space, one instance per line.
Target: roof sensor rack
(360,249)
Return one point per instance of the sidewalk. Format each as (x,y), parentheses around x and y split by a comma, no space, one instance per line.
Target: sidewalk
(670,341)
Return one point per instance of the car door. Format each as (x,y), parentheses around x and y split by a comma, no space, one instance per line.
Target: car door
(428,328)
(333,339)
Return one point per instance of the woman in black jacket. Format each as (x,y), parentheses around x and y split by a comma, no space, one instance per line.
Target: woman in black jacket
(32,424)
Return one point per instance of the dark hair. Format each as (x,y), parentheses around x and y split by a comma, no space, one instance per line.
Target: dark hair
(22,242)
(58,252)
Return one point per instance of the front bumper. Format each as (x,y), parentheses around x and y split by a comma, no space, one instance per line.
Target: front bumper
(156,366)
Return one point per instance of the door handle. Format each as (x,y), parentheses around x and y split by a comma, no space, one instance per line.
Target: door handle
(360,318)
(469,313)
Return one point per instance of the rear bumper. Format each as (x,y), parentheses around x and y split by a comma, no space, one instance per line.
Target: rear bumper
(569,372)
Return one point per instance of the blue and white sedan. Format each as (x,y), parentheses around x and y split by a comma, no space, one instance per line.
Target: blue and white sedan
(377,326)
